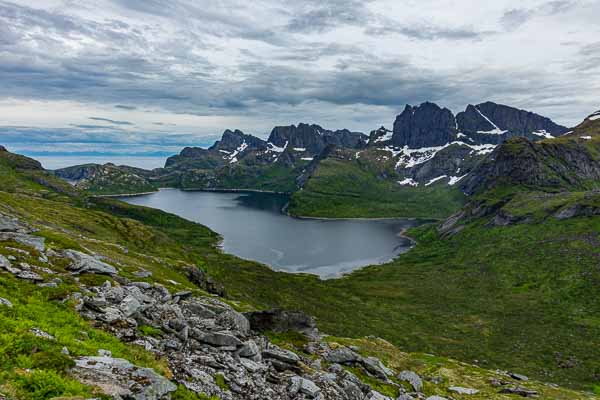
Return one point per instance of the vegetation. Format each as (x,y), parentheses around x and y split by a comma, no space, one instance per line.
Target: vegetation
(344,189)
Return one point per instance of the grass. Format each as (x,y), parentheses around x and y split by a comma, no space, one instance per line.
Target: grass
(344,189)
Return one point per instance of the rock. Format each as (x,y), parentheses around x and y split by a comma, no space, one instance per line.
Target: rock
(104,353)
(36,242)
(374,366)
(119,378)
(234,321)
(5,302)
(342,355)
(81,262)
(142,285)
(282,321)
(518,377)
(521,391)
(415,380)
(283,355)
(29,275)
(405,397)
(9,224)
(220,339)
(183,295)
(52,285)
(250,365)
(40,333)
(249,349)
(129,306)
(436,398)
(65,351)
(374,395)
(463,390)
(304,386)
(143,274)
(4,262)
(426,125)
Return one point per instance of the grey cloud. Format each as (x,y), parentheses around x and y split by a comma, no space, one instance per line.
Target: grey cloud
(111,121)
(329,14)
(514,18)
(124,107)
(589,60)
(424,32)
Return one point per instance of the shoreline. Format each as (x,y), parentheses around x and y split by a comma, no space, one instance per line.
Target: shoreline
(124,194)
(235,191)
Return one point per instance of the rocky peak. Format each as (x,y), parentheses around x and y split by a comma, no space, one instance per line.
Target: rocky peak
(380,135)
(313,138)
(3,149)
(234,140)
(426,125)
(493,123)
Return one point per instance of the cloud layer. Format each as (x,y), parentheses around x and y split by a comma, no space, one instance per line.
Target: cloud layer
(132,71)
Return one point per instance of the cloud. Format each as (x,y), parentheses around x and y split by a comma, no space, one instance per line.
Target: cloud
(516,17)
(124,107)
(111,121)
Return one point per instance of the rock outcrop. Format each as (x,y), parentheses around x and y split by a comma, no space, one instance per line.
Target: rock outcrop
(426,125)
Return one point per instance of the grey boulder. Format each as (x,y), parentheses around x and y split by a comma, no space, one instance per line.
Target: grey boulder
(342,355)
(304,386)
(415,380)
(119,378)
(81,262)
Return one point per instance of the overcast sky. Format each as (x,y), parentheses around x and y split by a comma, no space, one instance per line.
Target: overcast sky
(150,76)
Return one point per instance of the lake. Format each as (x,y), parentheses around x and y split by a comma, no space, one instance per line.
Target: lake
(254,228)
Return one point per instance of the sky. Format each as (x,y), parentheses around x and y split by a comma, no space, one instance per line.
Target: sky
(147,77)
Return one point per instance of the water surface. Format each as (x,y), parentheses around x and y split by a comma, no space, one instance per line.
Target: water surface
(253,227)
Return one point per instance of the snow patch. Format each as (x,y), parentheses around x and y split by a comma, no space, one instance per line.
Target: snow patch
(307,158)
(411,157)
(388,136)
(594,117)
(455,179)
(495,131)
(299,149)
(586,137)
(241,148)
(277,149)
(543,133)
(434,180)
(408,182)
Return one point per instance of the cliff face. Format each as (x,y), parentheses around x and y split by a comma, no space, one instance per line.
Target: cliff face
(426,125)
(314,138)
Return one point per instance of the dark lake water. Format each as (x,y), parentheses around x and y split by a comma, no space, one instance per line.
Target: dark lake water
(253,227)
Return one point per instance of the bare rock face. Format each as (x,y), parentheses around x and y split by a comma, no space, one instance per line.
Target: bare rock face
(426,125)
(282,321)
(121,379)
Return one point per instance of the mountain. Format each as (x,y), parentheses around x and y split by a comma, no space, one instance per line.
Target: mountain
(570,161)
(108,179)
(426,125)
(494,123)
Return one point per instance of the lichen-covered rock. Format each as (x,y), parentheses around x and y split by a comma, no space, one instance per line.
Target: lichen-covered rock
(411,377)
(81,262)
(118,377)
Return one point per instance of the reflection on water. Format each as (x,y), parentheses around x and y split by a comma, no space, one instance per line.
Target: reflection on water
(254,228)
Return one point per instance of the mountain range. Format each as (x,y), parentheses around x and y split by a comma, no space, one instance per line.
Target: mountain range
(428,147)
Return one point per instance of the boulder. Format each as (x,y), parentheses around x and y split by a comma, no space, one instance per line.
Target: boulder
(4,262)
(436,398)
(234,321)
(283,355)
(5,302)
(518,377)
(520,391)
(463,390)
(374,395)
(36,242)
(129,306)
(411,377)
(304,386)
(249,349)
(119,378)
(40,333)
(29,275)
(81,262)
(376,368)
(10,224)
(282,321)
(342,355)
(219,339)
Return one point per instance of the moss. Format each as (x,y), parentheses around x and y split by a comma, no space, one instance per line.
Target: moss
(147,330)
(289,338)
(221,383)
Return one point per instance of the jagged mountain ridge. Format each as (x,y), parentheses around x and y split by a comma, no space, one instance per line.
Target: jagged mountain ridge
(428,145)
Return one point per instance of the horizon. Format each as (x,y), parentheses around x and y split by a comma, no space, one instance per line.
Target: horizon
(140,79)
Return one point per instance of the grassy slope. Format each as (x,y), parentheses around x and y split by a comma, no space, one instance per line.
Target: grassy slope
(509,297)
(341,188)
